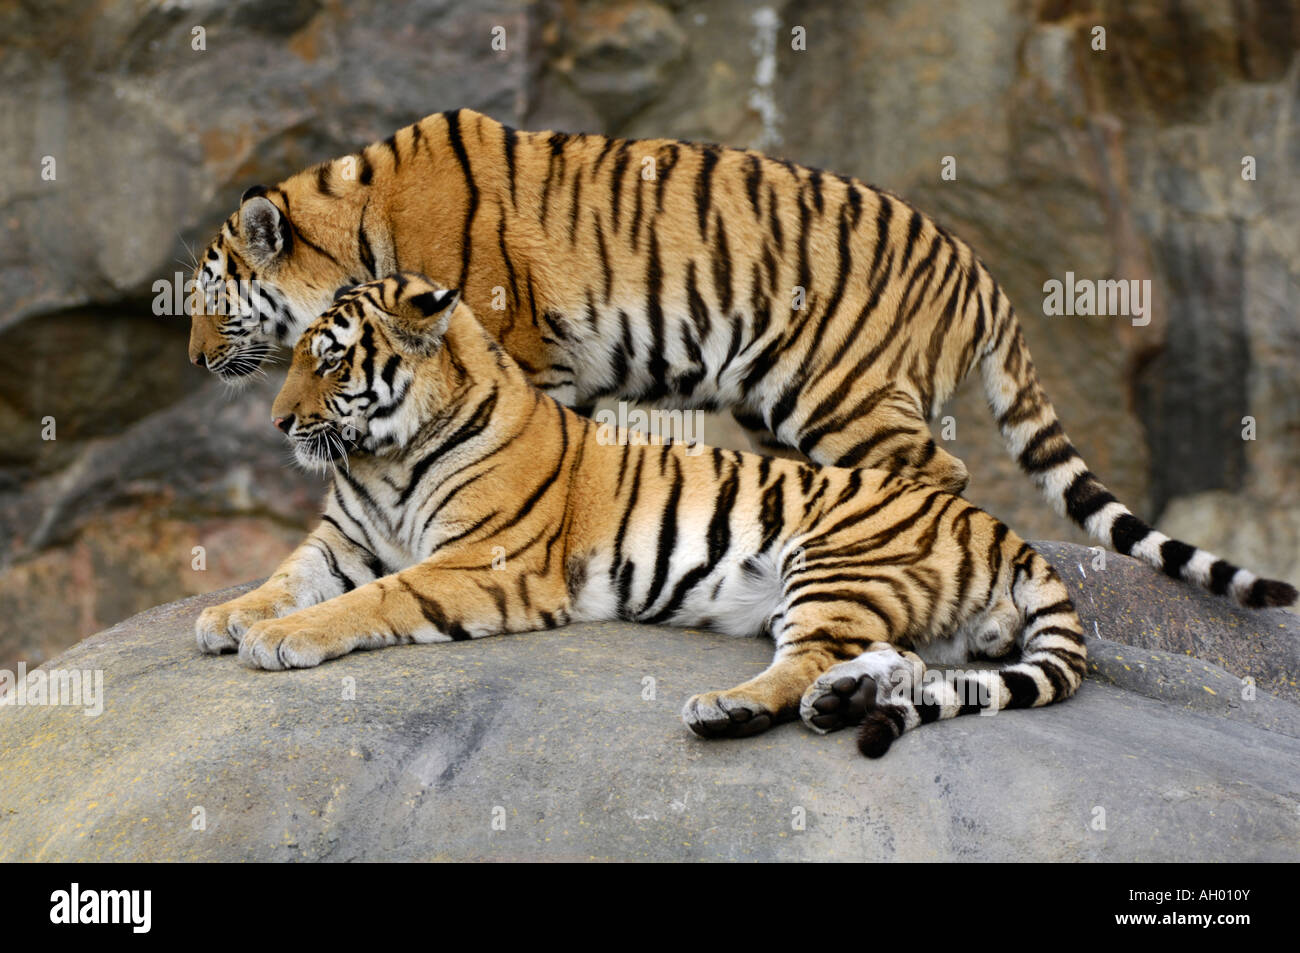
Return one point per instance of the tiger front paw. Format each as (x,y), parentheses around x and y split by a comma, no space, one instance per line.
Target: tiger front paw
(277,644)
(220,628)
(726,715)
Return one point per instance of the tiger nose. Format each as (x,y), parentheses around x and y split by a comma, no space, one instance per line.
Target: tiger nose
(284,424)
(198,359)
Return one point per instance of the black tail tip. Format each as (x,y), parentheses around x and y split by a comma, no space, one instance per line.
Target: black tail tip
(1266,593)
(876,734)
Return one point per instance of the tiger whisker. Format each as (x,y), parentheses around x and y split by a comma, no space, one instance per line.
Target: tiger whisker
(337,441)
(189,250)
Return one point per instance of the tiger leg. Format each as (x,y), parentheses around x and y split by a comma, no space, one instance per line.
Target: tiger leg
(809,641)
(763,440)
(425,603)
(892,436)
(1051,666)
(326,564)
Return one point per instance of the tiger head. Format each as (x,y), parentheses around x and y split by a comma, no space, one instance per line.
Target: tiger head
(256,286)
(358,379)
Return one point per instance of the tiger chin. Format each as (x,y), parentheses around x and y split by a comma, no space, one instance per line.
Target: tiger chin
(444,456)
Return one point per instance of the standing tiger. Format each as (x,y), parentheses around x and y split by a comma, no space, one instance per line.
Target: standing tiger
(465,503)
(829,317)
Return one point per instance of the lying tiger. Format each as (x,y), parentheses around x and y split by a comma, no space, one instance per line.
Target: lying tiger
(832,319)
(465,503)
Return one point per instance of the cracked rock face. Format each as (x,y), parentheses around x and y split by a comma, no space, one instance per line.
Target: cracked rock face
(1125,162)
(567,745)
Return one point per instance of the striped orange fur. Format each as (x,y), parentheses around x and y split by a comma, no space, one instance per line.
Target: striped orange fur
(830,318)
(466,502)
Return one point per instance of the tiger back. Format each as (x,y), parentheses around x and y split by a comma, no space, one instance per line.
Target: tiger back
(830,318)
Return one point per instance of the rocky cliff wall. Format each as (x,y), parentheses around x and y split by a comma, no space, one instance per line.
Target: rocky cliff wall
(1121,162)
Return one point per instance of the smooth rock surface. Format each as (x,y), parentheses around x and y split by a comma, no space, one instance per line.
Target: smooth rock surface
(562,738)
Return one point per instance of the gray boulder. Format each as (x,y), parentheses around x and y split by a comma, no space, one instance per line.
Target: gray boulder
(567,746)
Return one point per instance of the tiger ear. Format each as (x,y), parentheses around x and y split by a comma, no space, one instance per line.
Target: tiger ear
(421,319)
(435,302)
(264,230)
